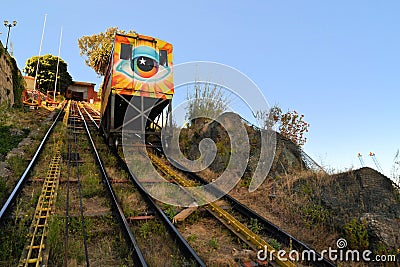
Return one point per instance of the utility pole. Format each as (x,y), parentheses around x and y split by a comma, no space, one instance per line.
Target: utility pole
(9,25)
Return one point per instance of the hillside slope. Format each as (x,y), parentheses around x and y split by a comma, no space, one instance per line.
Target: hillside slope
(360,205)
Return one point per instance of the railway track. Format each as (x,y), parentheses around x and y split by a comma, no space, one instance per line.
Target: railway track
(32,219)
(61,206)
(268,227)
(254,240)
(78,126)
(191,257)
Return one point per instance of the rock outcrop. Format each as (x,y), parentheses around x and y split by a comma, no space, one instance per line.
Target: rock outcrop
(369,197)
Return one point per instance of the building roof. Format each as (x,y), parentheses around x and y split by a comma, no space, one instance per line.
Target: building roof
(83,83)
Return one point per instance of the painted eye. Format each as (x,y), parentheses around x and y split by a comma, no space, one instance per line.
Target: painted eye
(145,61)
(145,67)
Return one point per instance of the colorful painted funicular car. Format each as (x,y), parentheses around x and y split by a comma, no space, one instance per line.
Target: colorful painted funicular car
(139,78)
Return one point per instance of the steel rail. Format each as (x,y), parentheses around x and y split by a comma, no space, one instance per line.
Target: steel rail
(186,249)
(91,117)
(94,110)
(11,199)
(137,255)
(270,228)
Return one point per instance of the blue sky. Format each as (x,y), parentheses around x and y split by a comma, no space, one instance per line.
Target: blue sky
(337,62)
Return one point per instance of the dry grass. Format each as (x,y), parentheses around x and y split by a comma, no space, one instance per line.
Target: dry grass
(285,201)
(19,117)
(210,239)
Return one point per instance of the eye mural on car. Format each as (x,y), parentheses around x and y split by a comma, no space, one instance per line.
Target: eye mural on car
(144,64)
(145,61)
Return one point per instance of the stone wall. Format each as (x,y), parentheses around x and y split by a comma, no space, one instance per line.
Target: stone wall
(369,197)
(6,81)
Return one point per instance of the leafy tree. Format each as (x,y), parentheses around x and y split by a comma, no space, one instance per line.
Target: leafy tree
(291,124)
(293,127)
(47,73)
(270,117)
(97,48)
(206,101)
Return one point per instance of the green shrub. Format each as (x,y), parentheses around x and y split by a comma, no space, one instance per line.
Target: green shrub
(149,228)
(274,243)
(315,215)
(13,237)
(356,234)
(255,226)
(18,82)
(170,211)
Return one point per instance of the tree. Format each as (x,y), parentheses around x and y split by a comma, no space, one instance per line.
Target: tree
(293,127)
(291,124)
(97,48)
(270,117)
(206,101)
(45,80)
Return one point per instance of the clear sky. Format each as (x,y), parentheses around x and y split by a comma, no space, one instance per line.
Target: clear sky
(337,62)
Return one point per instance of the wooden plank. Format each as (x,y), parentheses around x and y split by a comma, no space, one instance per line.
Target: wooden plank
(181,216)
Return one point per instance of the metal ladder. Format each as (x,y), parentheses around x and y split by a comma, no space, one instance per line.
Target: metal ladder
(33,251)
